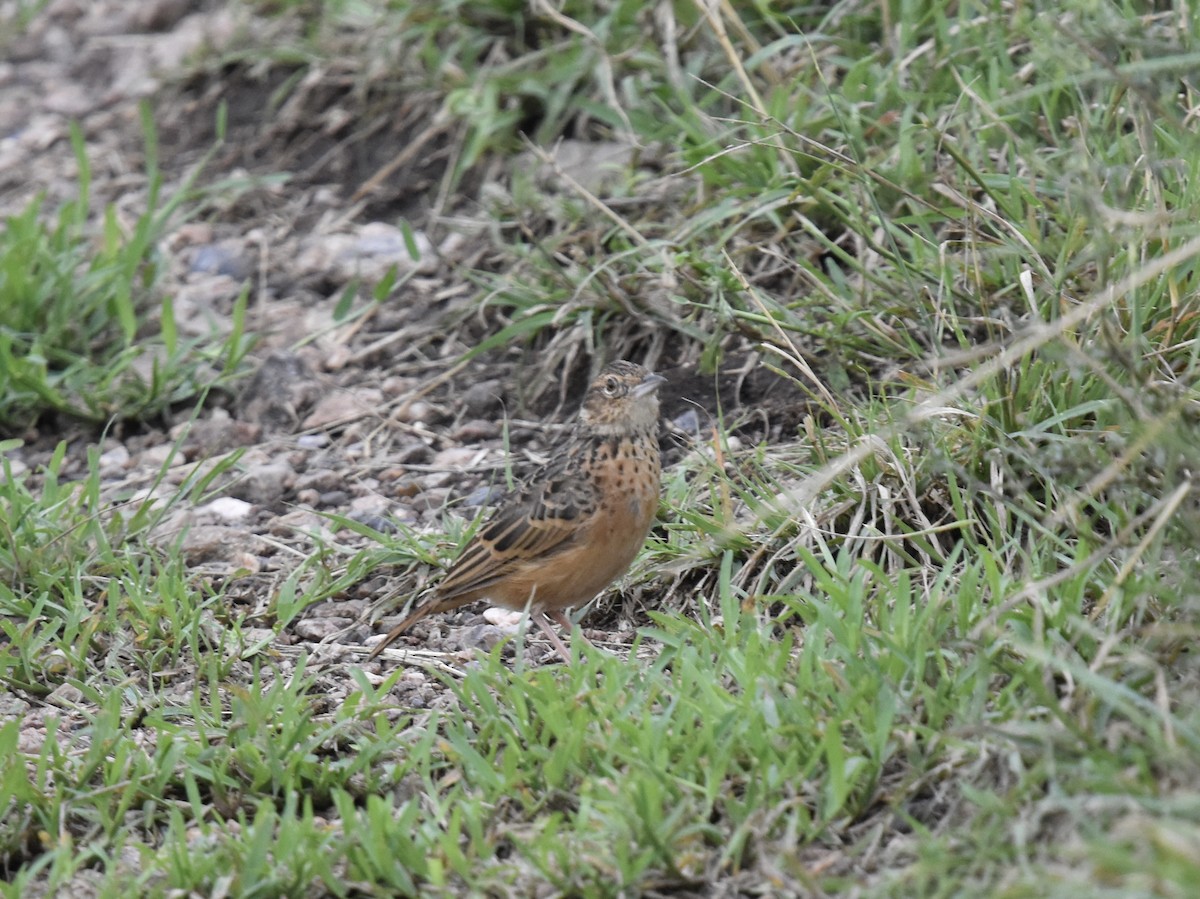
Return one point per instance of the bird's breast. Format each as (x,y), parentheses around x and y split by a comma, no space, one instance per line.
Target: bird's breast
(626,479)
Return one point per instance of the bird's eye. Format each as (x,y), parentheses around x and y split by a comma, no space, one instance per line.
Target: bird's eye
(611,386)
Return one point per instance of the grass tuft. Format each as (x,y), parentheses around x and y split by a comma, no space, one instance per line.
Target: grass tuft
(83,331)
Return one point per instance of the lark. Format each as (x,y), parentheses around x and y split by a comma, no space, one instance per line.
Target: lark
(579,521)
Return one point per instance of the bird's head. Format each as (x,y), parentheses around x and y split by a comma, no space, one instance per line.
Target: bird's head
(623,399)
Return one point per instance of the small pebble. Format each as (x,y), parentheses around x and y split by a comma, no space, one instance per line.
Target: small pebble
(332,499)
(459,457)
(483,399)
(228,508)
(688,422)
(380,523)
(475,430)
(222,258)
(433,498)
(486,495)
(507,620)
(319,479)
(114,461)
(264,484)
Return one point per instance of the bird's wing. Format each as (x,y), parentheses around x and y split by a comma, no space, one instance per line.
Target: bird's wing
(535,524)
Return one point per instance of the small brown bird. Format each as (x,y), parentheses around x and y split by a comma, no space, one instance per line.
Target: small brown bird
(577,524)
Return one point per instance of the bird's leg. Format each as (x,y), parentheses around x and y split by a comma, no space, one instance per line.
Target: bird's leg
(558,644)
(560,618)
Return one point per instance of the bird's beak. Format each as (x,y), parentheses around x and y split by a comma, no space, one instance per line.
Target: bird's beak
(649,384)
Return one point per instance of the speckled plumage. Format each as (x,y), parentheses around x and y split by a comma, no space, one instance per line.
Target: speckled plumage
(578,522)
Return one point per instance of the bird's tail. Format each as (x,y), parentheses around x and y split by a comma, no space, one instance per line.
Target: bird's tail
(424,609)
